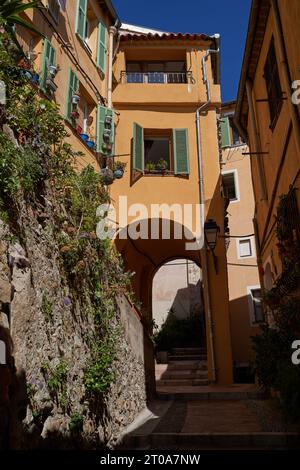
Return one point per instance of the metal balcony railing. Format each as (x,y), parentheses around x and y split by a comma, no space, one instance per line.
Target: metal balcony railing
(156,77)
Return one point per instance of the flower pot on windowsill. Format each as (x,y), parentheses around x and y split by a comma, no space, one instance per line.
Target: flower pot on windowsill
(75,98)
(50,85)
(162,165)
(79,129)
(107,176)
(84,137)
(119,169)
(75,115)
(90,144)
(150,167)
(118,173)
(35,79)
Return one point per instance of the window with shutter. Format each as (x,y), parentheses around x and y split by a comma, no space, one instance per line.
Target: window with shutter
(73,87)
(138,163)
(81,18)
(181,151)
(229,183)
(225,132)
(54,9)
(271,76)
(101,50)
(105,131)
(49,57)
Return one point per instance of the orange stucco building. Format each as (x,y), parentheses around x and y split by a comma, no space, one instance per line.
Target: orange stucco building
(243,278)
(267,114)
(152,101)
(167,98)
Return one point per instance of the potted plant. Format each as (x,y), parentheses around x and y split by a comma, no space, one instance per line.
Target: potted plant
(106,147)
(35,79)
(90,144)
(75,114)
(107,176)
(162,165)
(84,137)
(150,167)
(75,98)
(119,168)
(52,70)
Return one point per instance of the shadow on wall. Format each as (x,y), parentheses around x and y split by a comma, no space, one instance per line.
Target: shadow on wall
(242,330)
(14,399)
(182,331)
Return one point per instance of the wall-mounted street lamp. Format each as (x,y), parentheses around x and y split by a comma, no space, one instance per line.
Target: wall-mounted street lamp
(211,230)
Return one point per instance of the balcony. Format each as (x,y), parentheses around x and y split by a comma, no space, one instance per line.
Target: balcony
(156,77)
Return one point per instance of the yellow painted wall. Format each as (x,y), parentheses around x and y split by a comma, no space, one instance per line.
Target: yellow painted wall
(283,160)
(165,106)
(242,272)
(70,52)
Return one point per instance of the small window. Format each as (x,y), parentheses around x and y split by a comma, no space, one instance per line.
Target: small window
(54,9)
(245,248)
(157,150)
(256,306)
(235,137)
(229,186)
(274,92)
(160,151)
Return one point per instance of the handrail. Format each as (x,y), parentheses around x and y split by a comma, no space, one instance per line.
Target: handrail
(156,77)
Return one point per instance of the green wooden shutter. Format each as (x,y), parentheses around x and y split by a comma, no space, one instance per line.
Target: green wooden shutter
(101,113)
(181,151)
(102,46)
(49,55)
(109,112)
(138,162)
(225,132)
(81,18)
(73,86)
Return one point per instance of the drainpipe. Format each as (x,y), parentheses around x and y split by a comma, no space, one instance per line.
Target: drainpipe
(257,144)
(286,73)
(112,32)
(201,194)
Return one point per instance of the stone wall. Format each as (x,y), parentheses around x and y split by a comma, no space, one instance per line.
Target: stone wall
(32,289)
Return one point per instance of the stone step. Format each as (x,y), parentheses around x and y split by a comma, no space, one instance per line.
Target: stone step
(186,441)
(182,382)
(185,357)
(186,393)
(184,374)
(187,365)
(183,351)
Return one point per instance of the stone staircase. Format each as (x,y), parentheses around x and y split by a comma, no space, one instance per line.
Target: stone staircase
(186,367)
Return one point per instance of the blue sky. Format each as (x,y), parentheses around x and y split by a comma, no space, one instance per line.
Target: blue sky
(227,17)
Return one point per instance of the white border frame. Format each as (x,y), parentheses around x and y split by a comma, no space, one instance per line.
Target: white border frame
(236,182)
(252,243)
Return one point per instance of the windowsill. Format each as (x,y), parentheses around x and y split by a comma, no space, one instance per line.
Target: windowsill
(159,173)
(234,146)
(74,132)
(87,50)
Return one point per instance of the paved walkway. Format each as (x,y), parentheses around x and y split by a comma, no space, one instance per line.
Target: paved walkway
(204,424)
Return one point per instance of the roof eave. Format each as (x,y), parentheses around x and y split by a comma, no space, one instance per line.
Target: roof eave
(246,59)
(111,9)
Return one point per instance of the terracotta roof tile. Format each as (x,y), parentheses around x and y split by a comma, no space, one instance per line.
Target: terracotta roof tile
(187,36)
